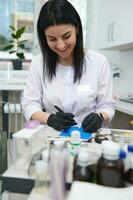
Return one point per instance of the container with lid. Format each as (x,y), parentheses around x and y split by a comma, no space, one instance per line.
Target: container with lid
(82,170)
(41,171)
(129,155)
(75,142)
(129,174)
(57,170)
(110,167)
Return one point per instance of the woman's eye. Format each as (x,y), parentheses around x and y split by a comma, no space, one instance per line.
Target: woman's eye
(66,37)
(52,40)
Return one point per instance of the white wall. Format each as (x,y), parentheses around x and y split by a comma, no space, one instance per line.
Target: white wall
(124,84)
(37,7)
(122,59)
(81,7)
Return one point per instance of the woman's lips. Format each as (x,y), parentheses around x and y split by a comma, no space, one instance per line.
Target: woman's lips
(63,50)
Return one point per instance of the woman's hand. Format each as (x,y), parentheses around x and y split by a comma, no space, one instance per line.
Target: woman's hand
(61,120)
(92,122)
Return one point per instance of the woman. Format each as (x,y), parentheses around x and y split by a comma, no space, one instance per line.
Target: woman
(78,82)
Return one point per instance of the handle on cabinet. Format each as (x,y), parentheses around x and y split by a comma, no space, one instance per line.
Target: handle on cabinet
(112,31)
(108,36)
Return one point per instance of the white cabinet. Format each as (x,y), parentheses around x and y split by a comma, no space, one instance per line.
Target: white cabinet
(115,29)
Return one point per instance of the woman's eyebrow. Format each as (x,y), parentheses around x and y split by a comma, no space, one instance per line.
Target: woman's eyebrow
(51,36)
(66,33)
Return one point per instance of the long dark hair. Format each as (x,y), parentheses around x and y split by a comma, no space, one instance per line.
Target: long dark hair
(60,12)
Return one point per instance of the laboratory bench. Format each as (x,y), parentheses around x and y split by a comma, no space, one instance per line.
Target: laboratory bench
(16,178)
(124,107)
(123,116)
(83,191)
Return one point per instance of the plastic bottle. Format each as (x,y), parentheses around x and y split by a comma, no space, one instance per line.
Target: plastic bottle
(45,155)
(82,170)
(122,152)
(57,170)
(75,142)
(129,174)
(129,155)
(73,148)
(122,156)
(41,182)
(110,167)
(5,195)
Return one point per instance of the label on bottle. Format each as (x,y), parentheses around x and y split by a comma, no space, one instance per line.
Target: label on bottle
(40,186)
(73,148)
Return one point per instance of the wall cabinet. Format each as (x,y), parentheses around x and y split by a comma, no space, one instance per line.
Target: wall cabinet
(115,24)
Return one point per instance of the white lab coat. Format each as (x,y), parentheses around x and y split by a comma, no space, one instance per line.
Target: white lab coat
(92,94)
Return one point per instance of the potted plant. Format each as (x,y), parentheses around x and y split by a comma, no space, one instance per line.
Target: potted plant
(16,45)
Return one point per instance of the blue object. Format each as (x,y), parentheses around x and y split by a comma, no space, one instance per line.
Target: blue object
(122,154)
(83,135)
(130,148)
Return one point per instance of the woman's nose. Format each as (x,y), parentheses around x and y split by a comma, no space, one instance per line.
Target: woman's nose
(61,45)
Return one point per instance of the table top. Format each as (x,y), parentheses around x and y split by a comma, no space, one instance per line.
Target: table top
(89,190)
(14,173)
(13,79)
(94,191)
(125,107)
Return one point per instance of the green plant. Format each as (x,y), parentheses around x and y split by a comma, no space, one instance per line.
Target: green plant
(15,44)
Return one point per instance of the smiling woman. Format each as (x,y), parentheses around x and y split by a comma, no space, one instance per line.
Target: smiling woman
(63,74)
(81,7)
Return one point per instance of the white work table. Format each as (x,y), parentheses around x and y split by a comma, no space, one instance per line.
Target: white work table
(125,107)
(19,181)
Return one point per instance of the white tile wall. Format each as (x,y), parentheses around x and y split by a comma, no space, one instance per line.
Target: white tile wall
(124,60)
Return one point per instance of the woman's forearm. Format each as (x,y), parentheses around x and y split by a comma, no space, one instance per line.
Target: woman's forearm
(105,116)
(41,116)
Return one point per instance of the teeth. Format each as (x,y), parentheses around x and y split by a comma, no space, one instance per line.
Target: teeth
(63,51)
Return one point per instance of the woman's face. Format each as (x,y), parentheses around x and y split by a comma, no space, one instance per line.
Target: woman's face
(61,39)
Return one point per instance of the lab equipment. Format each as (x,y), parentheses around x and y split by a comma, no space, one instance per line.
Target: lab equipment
(74,143)
(27,143)
(117,133)
(129,155)
(82,170)
(129,174)
(99,138)
(83,135)
(57,169)
(41,171)
(110,167)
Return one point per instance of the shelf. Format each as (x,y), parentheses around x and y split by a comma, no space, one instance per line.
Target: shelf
(122,47)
